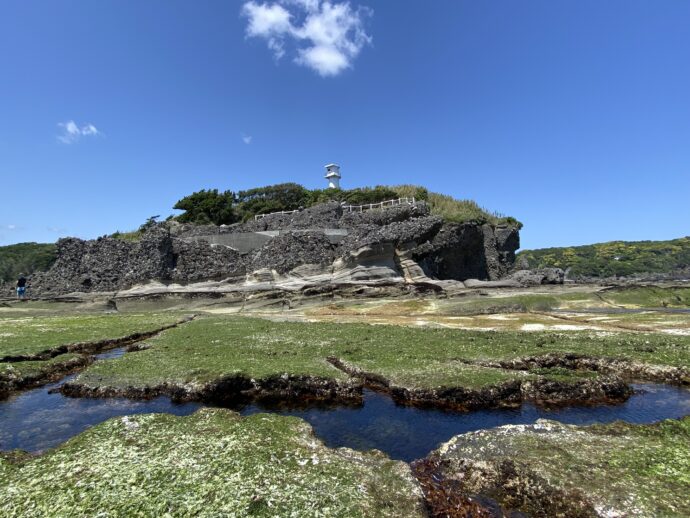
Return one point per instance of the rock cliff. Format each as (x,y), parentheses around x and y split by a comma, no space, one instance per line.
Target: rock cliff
(322,243)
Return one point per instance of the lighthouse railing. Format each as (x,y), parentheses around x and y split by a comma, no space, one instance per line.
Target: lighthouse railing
(354,208)
(380,205)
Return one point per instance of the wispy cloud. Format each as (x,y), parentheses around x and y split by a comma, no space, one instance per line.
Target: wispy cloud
(70,132)
(9,227)
(327,36)
(57,230)
(247,139)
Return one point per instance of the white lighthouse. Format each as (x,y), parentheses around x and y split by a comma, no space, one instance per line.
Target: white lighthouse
(333,176)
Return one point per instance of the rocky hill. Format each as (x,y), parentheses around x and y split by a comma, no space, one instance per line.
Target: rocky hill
(321,245)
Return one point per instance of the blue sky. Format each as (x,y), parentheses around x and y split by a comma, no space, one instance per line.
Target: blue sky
(572,116)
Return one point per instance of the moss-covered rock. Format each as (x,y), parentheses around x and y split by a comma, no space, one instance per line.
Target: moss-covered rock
(42,337)
(253,358)
(213,463)
(551,469)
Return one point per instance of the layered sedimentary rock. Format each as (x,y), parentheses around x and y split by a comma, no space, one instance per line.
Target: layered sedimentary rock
(325,244)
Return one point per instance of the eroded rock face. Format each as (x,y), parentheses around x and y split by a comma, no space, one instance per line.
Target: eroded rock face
(326,243)
(107,264)
(288,251)
(325,215)
(459,252)
(194,261)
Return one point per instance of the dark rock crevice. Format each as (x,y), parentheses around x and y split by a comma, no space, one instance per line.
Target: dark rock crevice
(235,389)
(519,491)
(446,497)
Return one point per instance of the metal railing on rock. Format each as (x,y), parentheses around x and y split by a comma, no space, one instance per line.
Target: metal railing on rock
(354,208)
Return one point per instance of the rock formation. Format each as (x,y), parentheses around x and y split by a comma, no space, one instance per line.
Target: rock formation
(322,245)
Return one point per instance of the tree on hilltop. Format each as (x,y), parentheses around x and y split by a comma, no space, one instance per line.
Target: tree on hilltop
(207,207)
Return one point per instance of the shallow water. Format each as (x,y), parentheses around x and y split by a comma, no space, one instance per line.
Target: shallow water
(36,420)
(407,433)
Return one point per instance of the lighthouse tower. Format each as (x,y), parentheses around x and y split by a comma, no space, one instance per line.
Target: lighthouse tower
(333,176)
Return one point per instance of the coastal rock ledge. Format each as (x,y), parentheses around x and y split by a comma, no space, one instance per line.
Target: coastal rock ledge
(321,245)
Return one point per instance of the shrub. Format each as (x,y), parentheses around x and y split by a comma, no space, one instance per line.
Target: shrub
(616,258)
(207,207)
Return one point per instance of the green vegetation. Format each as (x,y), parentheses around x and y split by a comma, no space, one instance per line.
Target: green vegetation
(32,335)
(25,258)
(616,258)
(466,211)
(133,236)
(206,207)
(620,469)
(209,348)
(649,296)
(212,463)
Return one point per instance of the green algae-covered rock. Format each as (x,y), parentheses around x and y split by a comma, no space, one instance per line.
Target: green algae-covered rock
(213,463)
(446,367)
(552,469)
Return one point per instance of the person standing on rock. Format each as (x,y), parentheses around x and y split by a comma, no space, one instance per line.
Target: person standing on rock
(21,287)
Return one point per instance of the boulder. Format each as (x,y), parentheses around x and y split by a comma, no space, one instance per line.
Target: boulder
(538,277)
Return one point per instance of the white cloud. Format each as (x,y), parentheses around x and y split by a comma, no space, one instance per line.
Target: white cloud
(11,227)
(247,139)
(71,132)
(328,36)
(57,230)
(89,129)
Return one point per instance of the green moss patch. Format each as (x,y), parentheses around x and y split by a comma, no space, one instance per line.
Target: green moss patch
(211,348)
(35,335)
(215,347)
(649,296)
(212,463)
